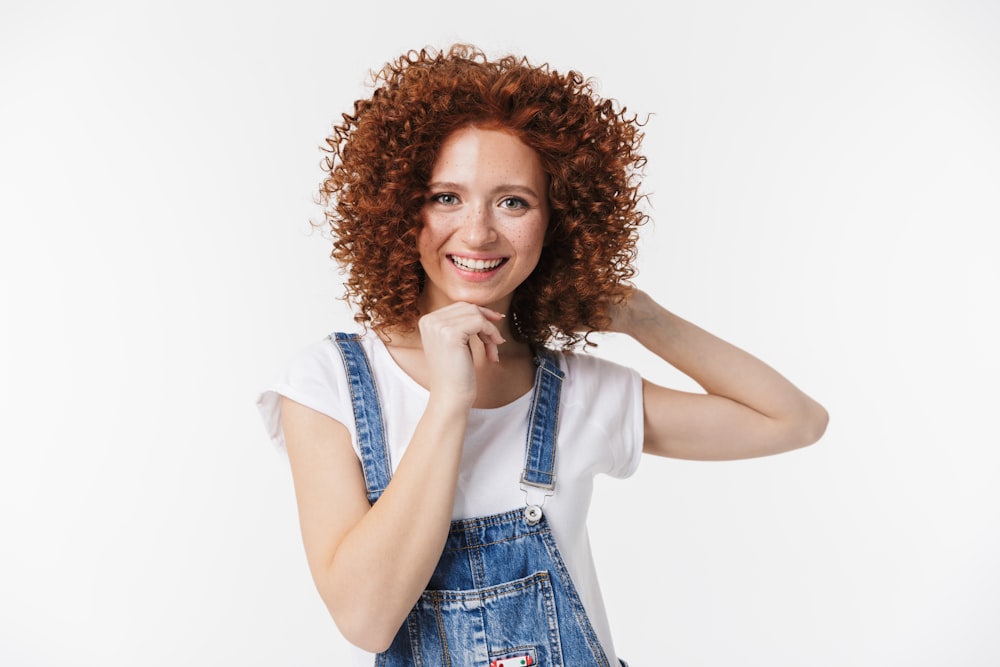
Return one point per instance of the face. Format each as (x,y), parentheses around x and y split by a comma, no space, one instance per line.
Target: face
(484,219)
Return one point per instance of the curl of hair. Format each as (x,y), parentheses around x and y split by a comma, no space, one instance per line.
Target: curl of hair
(380,158)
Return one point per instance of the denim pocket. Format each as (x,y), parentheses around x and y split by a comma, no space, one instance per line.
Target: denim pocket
(474,627)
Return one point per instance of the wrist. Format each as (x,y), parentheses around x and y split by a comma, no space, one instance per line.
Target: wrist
(636,315)
(450,406)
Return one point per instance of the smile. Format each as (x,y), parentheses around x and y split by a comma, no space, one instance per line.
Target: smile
(476,265)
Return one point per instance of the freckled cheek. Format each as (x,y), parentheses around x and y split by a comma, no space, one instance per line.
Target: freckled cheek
(530,237)
(428,240)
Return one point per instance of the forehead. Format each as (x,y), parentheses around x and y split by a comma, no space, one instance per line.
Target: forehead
(474,150)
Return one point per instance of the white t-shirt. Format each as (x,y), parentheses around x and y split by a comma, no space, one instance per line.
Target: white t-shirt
(600,431)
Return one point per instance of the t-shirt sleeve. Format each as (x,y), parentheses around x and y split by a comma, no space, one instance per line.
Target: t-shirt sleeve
(606,403)
(314,377)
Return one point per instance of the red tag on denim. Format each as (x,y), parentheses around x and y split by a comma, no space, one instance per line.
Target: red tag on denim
(516,661)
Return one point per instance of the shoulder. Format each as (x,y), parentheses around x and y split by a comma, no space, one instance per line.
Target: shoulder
(600,384)
(314,376)
(583,367)
(319,362)
(325,356)
(602,405)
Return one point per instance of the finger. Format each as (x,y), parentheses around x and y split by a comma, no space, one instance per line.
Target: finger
(491,347)
(492,334)
(491,338)
(491,314)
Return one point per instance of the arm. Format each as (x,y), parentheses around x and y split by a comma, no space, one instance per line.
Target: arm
(371,563)
(748,410)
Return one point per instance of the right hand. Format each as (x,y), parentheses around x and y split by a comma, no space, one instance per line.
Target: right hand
(452,338)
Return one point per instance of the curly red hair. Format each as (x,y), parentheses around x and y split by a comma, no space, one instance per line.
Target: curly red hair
(381,157)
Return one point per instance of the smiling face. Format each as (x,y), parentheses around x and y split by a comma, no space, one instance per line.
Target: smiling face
(484,220)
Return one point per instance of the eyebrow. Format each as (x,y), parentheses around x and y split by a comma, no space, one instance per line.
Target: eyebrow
(505,187)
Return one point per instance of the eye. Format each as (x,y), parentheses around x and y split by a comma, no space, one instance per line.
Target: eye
(513,203)
(446,198)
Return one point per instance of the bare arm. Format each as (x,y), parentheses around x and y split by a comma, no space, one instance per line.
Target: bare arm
(748,410)
(371,563)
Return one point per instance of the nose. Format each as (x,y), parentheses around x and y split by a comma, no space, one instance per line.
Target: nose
(478,228)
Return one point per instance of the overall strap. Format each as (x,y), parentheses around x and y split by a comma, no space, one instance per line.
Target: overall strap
(543,423)
(367,414)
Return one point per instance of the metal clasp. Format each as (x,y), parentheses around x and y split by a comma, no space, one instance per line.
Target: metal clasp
(534,499)
(532,514)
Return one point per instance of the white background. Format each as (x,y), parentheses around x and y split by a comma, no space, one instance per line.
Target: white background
(824,183)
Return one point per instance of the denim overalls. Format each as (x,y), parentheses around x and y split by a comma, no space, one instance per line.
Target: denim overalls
(500,595)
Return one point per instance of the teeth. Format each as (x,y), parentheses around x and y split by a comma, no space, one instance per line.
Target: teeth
(476,264)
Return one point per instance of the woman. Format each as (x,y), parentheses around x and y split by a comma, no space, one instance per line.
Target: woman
(486,213)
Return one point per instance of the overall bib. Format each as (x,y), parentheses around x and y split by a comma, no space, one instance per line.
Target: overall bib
(501,595)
